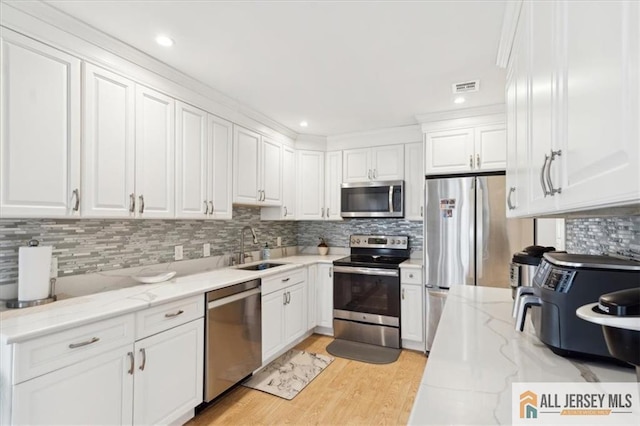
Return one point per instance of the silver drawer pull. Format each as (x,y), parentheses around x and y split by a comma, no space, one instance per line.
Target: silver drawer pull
(410,275)
(131,363)
(180,312)
(81,344)
(284,280)
(144,359)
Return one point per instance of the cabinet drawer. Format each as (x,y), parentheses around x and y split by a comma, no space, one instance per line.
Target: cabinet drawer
(163,317)
(45,354)
(280,281)
(410,276)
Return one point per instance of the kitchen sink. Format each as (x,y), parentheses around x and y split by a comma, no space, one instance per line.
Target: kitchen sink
(260,266)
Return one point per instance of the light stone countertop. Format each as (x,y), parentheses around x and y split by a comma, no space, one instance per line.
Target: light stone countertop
(412,264)
(477,355)
(17,325)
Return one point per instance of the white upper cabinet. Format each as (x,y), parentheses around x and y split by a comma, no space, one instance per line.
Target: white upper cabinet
(333,180)
(413,182)
(581,137)
(310,180)
(257,175)
(288,183)
(203,164)
(155,154)
(108,148)
(478,148)
(377,163)
(40,134)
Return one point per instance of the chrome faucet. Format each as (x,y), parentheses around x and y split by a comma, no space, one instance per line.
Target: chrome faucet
(255,241)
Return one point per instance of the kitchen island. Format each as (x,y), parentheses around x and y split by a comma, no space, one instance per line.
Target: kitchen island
(477,355)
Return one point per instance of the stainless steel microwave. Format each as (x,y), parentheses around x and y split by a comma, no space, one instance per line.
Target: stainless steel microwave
(372,199)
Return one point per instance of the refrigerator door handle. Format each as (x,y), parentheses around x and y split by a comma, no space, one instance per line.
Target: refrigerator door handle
(481,225)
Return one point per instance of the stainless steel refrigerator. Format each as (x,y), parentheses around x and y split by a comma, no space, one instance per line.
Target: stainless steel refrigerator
(468,239)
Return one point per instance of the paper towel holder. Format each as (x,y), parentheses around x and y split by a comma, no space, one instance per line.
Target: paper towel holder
(17,304)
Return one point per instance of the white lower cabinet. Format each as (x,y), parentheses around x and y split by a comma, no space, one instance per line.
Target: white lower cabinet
(324,295)
(97,374)
(411,317)
(284,312)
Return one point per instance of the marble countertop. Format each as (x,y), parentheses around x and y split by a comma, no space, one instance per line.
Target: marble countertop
(23,324)
(477,355)
(412,263)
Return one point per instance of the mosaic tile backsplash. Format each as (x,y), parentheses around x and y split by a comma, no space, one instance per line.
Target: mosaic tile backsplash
(610,235)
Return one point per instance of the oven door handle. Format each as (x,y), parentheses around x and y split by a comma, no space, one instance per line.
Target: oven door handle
(366,271)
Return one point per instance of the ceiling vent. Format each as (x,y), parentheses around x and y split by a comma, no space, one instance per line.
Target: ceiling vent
(466,87)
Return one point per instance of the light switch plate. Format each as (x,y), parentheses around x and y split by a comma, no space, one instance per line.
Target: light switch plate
(278,241)
(178,253)
(206,250)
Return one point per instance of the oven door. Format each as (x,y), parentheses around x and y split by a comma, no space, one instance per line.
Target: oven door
(370,295)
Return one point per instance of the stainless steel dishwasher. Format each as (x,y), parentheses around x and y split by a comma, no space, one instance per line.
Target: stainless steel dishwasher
(233,336)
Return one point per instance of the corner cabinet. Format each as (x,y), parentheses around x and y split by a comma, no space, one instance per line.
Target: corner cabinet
(257,175)
(562,159)
(40,134)
(377,163)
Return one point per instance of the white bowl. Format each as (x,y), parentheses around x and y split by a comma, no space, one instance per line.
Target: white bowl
(152,277)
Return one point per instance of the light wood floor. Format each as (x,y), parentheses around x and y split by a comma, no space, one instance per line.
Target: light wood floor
(346,393)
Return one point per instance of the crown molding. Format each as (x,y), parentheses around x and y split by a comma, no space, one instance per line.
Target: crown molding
(47,24)
(461,113)
(311,142)
(509,25)
(378,137)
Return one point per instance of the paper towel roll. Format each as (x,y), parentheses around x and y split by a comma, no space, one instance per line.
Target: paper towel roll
(34,265)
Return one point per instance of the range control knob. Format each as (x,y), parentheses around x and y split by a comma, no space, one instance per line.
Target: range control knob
(358,241)
(353,241)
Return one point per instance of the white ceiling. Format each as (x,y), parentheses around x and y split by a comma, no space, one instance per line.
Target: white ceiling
(342,66)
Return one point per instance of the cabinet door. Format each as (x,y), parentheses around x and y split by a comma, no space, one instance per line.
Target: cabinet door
(356,165)
(411,312)
(155,154)
(312,298)
(324,291)
(449,151)
(40,134)
(271,170)
(310,192)
(246,166)
(192,198)
(272,323)
(491,147)
(413,182)
(98,391)
(599,100)
(387,162)
(295,312)
(168,376)
(220,157)
(333,180)
(288,183)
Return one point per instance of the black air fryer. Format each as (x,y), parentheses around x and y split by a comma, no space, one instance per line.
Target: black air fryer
(623,343)
(564,282)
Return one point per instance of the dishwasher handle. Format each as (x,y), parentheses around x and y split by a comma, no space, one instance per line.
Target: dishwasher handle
(233,298)
(224,292)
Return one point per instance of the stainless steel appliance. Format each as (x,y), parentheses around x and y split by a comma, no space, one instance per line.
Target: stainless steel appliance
(372,199)
(366,290)
(523,266)
(563,283)
(233,336)
(468,239)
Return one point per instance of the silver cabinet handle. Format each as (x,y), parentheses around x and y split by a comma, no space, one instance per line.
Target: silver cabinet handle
(544,165)
(131,363)
(322,212)
(288,297)
(264,195)
(284,280)
(327,212)
(403,294)
(180,312)
(471,161)
(369,174)
(284,298)
(477,161)
(285,211)
(210,207)
(509,204)
(144,359)
(410,275)
(206,208)
(375,173)
(552,190)
(85,343)
(141,208)
(421,211)
(260,195)
(330,272)
(132,203)
(76,194)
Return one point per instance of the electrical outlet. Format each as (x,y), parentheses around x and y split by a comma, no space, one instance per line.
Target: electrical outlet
(206,250)
(178,253)
(53,273)
(278,241)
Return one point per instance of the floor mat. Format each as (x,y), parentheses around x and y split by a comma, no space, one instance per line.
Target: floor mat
(363,352)
(287,375)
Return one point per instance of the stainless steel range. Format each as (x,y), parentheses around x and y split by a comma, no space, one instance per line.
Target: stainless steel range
(366,290)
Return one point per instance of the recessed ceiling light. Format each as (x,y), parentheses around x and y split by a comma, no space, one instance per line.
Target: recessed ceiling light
(303,124)
(165,41)
(459,100)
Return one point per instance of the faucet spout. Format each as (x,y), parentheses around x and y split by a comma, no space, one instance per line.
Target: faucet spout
(255,241)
